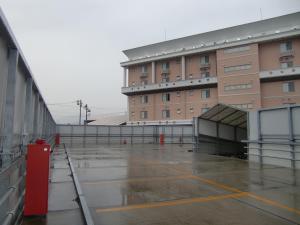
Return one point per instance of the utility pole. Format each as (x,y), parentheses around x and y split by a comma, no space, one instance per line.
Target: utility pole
(87,110)
(79,103)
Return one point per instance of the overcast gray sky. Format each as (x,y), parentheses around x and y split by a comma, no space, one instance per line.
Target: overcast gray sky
(74,47)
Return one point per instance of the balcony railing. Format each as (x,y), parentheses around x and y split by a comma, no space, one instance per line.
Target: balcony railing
(170,85)
(204,65)
(144,74)
(293,71)
(287,53)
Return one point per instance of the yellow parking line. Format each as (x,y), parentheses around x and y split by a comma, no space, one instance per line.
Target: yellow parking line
(217,184)
(273,203)
(257,197)
(172,203)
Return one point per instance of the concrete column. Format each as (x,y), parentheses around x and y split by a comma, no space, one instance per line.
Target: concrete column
(183,67)
(124,76)
(9,108)
(153,72)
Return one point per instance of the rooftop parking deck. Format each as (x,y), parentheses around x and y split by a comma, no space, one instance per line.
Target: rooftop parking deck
(152,184)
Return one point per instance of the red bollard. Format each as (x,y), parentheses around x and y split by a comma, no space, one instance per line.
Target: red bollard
(57,139)
(37,178)
(161,139)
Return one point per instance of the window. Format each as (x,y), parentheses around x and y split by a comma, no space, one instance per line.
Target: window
(286,46)
(237,49)
(205,93)
(165,78)
(237,87)
(205,74)
(144,69)
(178,93)
(286,65)
(165,66)
(237,68)
(144,114)
(166,97)
(243,106)
(166,113)
(144,99)
(204,60)
(288,86)
(144,82)
(203,110)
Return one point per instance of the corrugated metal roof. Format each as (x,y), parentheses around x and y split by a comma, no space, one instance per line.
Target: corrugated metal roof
(227,115)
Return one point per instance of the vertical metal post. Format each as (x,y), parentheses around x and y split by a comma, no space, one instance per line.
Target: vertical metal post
(291,137)
(97,134)
(28,115)
(143,138)
(108,134)
(259,138)
(120,134)
(84,136)
(72,131)
(131,134)
(9,108)
(172,135)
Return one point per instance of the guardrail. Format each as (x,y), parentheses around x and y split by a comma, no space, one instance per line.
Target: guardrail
(75,135)
(24,117)
(12,188)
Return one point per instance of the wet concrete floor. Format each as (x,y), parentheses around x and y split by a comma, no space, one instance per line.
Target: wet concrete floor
(168,185)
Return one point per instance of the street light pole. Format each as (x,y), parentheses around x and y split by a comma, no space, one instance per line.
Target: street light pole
(79,102)
(87,110)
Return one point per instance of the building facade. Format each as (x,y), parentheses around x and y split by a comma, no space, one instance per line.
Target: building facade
(250,66)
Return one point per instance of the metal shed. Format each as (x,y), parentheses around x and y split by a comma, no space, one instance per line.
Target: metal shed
(221,130)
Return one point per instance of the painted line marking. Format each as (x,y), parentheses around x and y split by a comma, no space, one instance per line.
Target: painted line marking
(172,203)
(274,203)
(256,197)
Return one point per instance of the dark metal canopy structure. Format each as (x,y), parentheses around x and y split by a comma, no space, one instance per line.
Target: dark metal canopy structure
(226,114)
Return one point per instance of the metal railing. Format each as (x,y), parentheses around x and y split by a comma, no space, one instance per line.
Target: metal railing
(77,135)
(24,117)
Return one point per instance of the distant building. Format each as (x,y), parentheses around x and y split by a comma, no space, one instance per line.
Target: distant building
(248,66)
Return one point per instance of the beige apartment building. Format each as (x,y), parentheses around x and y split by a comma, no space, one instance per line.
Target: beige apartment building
(250,66)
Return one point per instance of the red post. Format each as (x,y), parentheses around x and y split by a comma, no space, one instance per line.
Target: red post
(37,179)
(161,139)
(57,139)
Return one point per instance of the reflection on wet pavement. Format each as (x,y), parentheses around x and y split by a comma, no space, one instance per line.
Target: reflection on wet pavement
(152,184)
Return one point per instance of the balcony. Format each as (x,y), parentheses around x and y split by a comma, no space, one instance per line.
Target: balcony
(181,84)
(144,74)
(204,65)
(287,53)
(280,73)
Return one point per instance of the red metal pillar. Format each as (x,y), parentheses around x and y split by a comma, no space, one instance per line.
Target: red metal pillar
(161,139)
(37,179)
